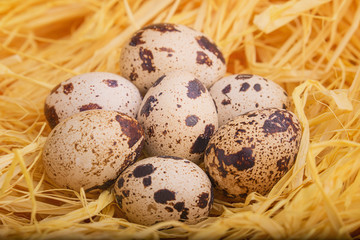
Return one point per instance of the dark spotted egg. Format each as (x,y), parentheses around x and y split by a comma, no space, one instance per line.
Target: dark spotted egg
(159,48)
(91,148)
(94,90)
(157,189)
(252,152)
(178,116)
(238,94)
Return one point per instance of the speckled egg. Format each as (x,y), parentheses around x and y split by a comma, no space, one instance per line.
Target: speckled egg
(94,90)
(252,152)
(178,116)
(238,94)
(157,189)
(90,149)
(157,49)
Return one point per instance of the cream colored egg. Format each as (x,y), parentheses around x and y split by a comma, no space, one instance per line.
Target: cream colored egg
(178,116)
(90,149)
(157,49)
(238,94)
(157,189)
(94,90)
(252,152)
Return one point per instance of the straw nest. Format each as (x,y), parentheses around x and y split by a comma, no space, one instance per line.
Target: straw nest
(310,47)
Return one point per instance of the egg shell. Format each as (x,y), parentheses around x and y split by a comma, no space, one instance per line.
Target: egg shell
(252,152)
(157,49)
(157,189)
(178,116)
(241,93)
(94,90)
(90,149)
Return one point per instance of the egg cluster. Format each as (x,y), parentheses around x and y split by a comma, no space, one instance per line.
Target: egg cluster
(173,102)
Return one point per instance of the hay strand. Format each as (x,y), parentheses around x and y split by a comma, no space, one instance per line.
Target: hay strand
(311,48)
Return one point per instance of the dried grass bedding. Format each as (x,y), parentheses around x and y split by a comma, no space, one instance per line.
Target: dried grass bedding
(310,47)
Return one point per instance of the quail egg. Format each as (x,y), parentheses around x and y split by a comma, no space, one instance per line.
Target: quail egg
(157,189)
(178,116)
(157,49)
(94,90)
(252,152)
(238,94)
(90,149)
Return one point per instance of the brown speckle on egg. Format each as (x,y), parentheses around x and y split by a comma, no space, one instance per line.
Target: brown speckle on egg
(171,157)
(168,50)
(133,75)
(51,115)
(120,182)
(241,160)
(283,164)
(169,209)
(68,88)
(179,206)
(147,181)
(184,214)
(131,129)
(245,86)
(111,83)
(203,139)
(203,200)
(89,106)
(206,44)
(148,106)
(191,120)
(257,87)
(136,39)
(143,170)
(279,121)
(150,132)
(195,88)
(147,57)
(158,81)
(202,58)
(243,76)
(163,196)
(126,193)
(226,89)
(162,27)
(226,102)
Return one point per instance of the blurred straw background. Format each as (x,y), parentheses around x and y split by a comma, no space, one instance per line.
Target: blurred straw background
(310,47)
